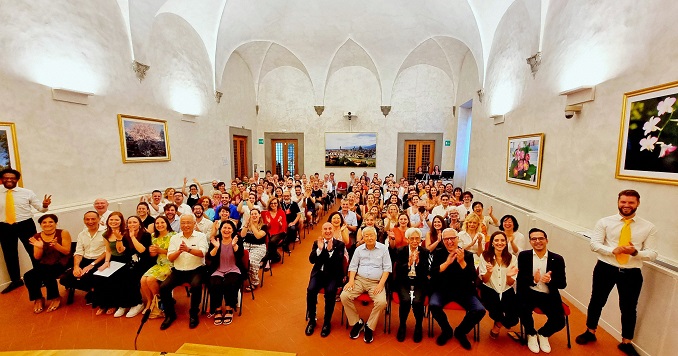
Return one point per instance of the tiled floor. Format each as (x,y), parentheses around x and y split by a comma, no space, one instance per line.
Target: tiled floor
(273,321)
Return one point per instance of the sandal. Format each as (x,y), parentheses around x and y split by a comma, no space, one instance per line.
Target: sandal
(101,311)
(110,311)
(494,335)
(38,306)
(56,303)
(218,318)
(228,318)
(514,335)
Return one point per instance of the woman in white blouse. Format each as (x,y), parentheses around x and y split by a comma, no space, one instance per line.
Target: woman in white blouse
(497,270)
(471,238)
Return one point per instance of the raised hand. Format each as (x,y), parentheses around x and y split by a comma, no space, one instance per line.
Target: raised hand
(46,201)
(329,244)
(215,242)
(546,277)
(235,240)
(512,271)
(36,242)
(537,276)
(489,267)
(460,256)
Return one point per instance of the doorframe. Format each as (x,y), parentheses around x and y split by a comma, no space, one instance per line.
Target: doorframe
(407,136)
(268,136)
(239,131)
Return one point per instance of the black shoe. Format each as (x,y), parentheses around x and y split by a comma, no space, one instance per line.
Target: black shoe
(418,333)
(585,338)
(357,328)
(401,333)
(327,328)
(89,298)
(193,322)
(444,336)
(12,286)
(310,328)
(167,322)
(628,349)
(369,335)
(463,341)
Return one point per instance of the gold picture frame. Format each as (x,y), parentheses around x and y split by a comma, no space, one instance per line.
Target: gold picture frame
(143,139)
(9,148)
(648,135)
(524,157)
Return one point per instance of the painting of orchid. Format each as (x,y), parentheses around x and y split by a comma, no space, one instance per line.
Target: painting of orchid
(524,157)
(143,139)
(649,135)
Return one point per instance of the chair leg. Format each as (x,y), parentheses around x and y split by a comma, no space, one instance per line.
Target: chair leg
(567,325)
(71,294)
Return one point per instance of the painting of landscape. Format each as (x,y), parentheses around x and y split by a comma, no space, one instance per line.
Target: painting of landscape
(351,149)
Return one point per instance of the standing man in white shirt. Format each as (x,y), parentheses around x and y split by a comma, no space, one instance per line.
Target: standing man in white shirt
(16,223)
(156,204)
(101,207)
(622,241)
(182,208)
(187,252)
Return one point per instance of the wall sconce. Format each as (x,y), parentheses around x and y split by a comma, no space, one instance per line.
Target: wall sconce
(189,118)
(217,96)
(70,96)
(256,108)
(319,109)
(481,95)
(534,63)
(576,97)
(140,69)
(385,110)
(498,119)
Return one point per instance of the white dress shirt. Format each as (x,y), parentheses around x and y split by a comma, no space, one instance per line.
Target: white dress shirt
(24,199)
(605,239)
(205,226)
(187,261)
(90,246)
(540,264)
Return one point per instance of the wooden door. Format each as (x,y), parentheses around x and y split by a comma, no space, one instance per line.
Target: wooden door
(240,156)
(418,153)
(285,156)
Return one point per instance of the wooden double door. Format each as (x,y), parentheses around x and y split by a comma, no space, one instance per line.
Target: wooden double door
(418,153)
(285,156)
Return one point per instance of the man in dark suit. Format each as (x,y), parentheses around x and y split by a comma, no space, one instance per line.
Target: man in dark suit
(327,257)
(453,277)
(541,275)
(411,273)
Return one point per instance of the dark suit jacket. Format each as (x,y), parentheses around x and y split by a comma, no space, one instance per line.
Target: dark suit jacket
(454,280)
(555,264)
(402,257)
(212,262)
(333,266)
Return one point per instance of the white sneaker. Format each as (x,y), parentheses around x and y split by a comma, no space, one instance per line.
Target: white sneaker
(544,343)
(532,343)
(135,310)
(120,312)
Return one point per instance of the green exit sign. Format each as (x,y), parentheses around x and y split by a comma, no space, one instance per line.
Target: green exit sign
(261,141)
(447,143)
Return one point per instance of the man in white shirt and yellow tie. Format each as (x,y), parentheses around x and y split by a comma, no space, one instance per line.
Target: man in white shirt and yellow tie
(623,241)
(16,222)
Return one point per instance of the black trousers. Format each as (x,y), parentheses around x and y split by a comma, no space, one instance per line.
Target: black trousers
(85,282)
(407,303)
(315,284)
(224,288)
(550,306)
(46,274)
(276,241)
(629,282)
(10,234)
(290,237)
(177,278)
(504,310)
(120,290)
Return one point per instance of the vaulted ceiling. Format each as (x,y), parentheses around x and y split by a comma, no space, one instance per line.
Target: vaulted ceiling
(320,37)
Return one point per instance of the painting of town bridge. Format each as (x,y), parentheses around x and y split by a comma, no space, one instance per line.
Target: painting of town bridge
(344,149)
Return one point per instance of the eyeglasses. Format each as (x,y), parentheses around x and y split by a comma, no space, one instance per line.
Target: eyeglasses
(537,239)
(449,239)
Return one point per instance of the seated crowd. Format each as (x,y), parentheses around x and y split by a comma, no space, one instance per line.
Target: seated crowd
(420,245)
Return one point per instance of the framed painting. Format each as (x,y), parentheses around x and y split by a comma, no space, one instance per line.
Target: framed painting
(648,136)
(143,139)
(9,149)
(524,159)
(350,149)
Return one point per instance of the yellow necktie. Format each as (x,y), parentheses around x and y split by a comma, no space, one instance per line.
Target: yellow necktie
(10,213)
(624,240)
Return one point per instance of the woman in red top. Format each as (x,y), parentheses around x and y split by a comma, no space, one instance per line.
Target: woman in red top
(396,236)
(274,217)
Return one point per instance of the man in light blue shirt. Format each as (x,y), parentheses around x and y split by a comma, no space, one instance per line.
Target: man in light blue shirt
(367,273)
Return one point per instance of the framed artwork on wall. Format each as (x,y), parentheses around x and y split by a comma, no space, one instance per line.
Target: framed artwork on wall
(524,159)
(143,139)
(648,137)
(9,150)
(350,149)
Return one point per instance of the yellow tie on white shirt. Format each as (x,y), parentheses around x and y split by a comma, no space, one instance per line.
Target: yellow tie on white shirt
(624,240)
(10,213)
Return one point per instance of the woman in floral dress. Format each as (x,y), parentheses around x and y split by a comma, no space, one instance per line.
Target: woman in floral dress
(150,282)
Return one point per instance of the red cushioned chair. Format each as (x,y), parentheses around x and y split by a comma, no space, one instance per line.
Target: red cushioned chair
(452,306)
(566,308)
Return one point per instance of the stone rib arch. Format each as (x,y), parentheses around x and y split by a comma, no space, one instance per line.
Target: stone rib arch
(350,54)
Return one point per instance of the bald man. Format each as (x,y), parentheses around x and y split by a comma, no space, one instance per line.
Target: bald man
(187,251)
(327,257)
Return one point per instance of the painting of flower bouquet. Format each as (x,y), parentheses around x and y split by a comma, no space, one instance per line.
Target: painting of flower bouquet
(648,137)
(143,139)
(524,157)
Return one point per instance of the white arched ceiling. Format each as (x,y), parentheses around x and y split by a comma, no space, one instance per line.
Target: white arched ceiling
(141,17)
(350,54)
(262,57)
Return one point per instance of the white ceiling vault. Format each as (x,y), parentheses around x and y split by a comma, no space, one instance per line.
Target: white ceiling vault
(320,37)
